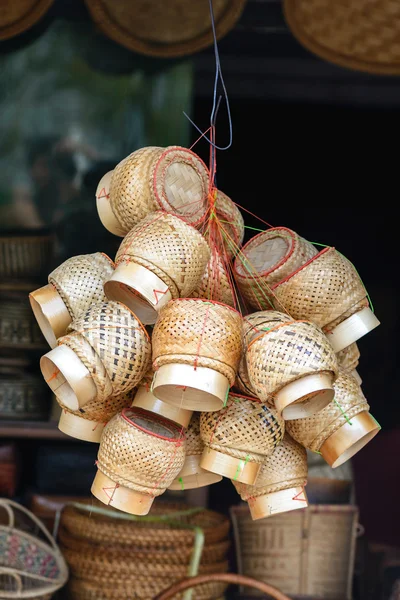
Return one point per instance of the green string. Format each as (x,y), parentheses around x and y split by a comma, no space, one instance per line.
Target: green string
(241,466)
(344,414)
(379,425)
(182,484)
(226,397)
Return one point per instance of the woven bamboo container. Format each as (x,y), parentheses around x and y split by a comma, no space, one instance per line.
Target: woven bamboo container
(328,291)
(106,352)
(197,346)
(25,256)
(266,259)
(139,457)
(147,401)
(73,287)
(173,179)
(294,363)
(238,437)
(305,553)
(231,225)
(104,208)
(280,482)
(215,283)
(18,328)
(161,258)
(253,325)
(192,475)
(348,360)
(87,423)
(342,428)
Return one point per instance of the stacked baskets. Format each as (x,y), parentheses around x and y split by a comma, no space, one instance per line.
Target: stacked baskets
(184,375)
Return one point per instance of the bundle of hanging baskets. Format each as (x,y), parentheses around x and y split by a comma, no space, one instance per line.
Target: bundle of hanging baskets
(191,358)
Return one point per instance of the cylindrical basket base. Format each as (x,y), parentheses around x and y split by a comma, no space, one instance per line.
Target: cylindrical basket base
(349,439)
(304,397)
(139,289)
(272,504)
(146,400)
(51,313)
(106,214)
(192,388)
(117,496)
(81,429)
(233,468)
(356,376)
(352,329)
(193,476)
(68,377)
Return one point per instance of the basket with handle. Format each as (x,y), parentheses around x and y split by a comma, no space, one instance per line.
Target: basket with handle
(162,257)
(73,286)
(31,564)
(227,578)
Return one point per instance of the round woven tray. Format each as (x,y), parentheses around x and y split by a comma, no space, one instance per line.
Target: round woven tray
(25,256)
(358,34)
(169,29)
(18,328)
(154,536)
(24,398)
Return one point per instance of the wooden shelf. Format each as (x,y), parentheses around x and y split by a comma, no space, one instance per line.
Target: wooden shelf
(44,430)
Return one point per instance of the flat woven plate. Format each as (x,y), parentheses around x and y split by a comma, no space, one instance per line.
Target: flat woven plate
(358,34)
(169,29)
(16,16)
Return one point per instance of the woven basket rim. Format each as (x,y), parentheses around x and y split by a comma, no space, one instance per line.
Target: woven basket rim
(136,317)
(110,260)
(158,418)
(25,22)
(323,251)
(262,274)
(207,301)
(98,10)
(163,155)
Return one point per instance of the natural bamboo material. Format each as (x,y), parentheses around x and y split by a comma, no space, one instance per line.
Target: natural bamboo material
(107,217)
(342,428)
(73,287)
(192,475)
(238,437)
(215,283)
(349,358)
(173,179)
(146,400)
(106,352)
(328,291)
(25,256)
(266,259)
(299,388)
(197,346)
(161,258)
(140,455)
(280,483)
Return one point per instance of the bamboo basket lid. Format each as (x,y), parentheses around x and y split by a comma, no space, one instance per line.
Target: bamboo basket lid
(140,455)
(192,475)
(155,30)
(280,483)
(215,283)
(342,428)
(361,35)
(18,16)
(161,258)
(239,436)
(266,259)
(172,179)
(299,388)
(197,346)
(146,400)
(73,287)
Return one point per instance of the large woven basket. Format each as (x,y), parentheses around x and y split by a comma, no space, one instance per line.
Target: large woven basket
(328,291)
(239,436)
(342,428)
(23,397)
(106,352)
(216,282)
(280,483)
(192,475)
(299,387)
(197,345)
(25,256)
(140,455)
(161,258)
(73,287)
(173,179)
(230,225)
(31,565)
(267,258)
(360,34)
(146,400)
(172,29)
(18,329)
